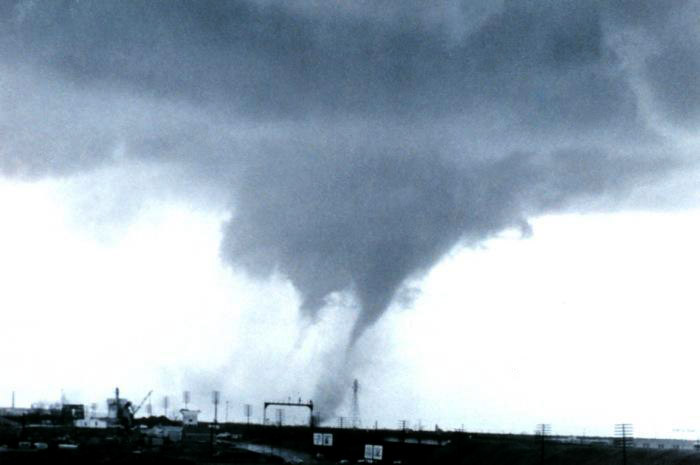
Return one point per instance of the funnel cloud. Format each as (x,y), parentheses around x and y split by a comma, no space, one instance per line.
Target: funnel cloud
(355,145)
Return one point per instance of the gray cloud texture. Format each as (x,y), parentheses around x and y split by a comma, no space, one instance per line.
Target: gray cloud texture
(356,144)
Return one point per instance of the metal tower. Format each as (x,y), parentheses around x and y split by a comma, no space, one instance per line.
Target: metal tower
(355,417)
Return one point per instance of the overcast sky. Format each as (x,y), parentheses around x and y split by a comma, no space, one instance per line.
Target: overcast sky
(483,210)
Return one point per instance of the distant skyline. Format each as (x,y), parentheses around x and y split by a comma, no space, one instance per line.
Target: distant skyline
(485,211)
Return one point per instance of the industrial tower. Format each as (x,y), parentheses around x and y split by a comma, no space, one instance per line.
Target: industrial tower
(355,417)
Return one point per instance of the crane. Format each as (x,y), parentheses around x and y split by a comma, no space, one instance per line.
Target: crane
(125,411)
(134,411)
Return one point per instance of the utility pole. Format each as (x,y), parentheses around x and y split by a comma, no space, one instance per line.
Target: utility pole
(248,412)
(624,436)
(542,431)
(226,417)
(402,425)
(215,400)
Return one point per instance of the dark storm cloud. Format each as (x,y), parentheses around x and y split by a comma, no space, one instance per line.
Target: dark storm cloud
(673,63)
(674,79)
(356,144)
(673,72)
(266,63)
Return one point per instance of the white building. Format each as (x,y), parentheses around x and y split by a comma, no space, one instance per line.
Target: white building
(189,417)
(91,423)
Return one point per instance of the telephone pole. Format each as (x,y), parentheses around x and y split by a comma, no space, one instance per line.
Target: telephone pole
(215,400)
(248,412)
(542,431)
(624,433)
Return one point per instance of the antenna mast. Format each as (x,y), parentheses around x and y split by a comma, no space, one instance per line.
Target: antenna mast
(355,404)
